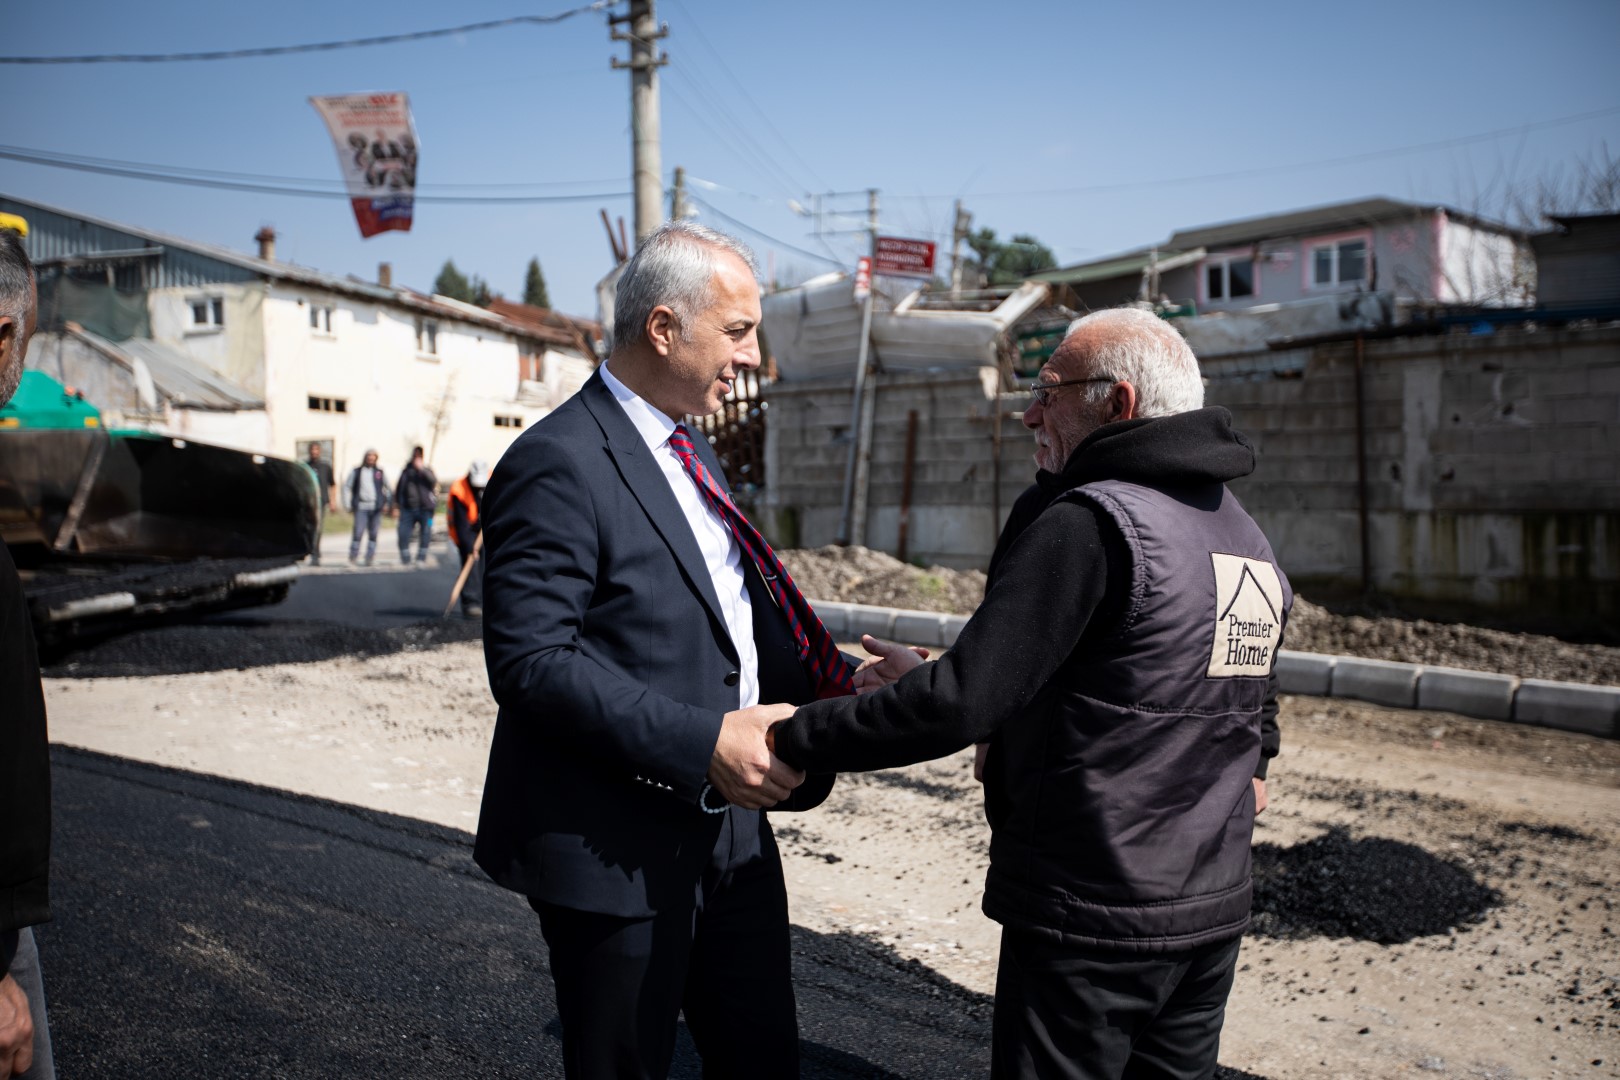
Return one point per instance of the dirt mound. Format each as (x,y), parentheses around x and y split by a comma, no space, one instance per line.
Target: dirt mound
(859,576)
(1418,641)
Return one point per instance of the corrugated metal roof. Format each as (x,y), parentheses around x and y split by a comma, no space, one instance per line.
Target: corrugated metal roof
(176,376)
(185,381)
(1319,219)
(191,262)
(1119,266)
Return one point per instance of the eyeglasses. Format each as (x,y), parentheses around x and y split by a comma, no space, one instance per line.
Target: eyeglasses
(1042,392)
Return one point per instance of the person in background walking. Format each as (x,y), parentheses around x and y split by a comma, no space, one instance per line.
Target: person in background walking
(369,498)
(466,496)
(417,493)
(327,501)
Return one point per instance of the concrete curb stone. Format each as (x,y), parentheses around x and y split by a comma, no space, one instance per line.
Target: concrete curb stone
(1470,693)
(1383,682)
(1590,710)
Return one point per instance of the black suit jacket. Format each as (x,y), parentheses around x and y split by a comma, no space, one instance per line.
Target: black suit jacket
(612,666)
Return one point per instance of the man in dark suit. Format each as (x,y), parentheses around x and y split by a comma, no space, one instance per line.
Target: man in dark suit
(629,630)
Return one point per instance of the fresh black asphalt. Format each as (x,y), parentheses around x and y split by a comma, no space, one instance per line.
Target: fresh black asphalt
(211,928)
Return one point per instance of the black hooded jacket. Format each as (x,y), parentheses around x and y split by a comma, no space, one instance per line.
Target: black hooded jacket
(25,770)
(1056,591)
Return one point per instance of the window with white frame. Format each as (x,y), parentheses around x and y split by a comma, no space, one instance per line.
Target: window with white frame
(207,312)
(1229,278)
(509,421)
(427,337)
(328,404)
(1339,262)
(320,319)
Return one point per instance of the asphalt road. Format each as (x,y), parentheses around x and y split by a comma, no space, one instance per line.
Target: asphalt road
(212,928)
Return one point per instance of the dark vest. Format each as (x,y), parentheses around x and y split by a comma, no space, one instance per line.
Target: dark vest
(1133,811)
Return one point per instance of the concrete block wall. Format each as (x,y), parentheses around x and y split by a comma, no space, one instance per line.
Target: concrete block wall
(956,477)
(1493,467)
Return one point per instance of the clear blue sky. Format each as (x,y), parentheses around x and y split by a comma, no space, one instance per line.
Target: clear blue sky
(1061,119)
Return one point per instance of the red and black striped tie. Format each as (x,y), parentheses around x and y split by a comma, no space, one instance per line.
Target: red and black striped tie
(817,651)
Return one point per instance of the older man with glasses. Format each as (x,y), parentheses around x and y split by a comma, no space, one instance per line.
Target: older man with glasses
(1119,676)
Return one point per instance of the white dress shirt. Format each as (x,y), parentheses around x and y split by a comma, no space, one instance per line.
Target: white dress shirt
(721,554)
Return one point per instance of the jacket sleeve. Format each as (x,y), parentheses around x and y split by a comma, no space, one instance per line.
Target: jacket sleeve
(542,543)
(1052,579)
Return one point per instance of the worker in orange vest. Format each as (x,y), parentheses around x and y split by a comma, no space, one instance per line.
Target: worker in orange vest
(465,496)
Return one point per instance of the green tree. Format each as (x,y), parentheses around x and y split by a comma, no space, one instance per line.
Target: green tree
(534,286)
(453,283)
(1009,262)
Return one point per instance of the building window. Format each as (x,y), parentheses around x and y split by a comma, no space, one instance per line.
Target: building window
(427,337)
(320,318)
(207,312)
(509,421)
(1228,279)
(328,404)
(1341,262)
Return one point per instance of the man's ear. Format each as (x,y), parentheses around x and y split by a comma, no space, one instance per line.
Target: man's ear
(662,327)
(1122,402)
(8,339)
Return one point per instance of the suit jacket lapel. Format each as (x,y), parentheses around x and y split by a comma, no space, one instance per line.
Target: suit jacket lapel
(647,483)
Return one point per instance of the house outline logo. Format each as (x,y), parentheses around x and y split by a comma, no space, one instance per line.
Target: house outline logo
(1248,622)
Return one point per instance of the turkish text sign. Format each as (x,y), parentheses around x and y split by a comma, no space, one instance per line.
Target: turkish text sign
(899,257)
(376,148)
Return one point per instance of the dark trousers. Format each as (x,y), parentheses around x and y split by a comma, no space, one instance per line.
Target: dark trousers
(410,521)
(724,960)
(1069,1013)
(472,593)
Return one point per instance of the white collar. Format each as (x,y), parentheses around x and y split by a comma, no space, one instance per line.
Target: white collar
(654,427)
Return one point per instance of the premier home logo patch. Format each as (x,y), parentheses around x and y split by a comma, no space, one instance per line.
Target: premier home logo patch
(1248,617)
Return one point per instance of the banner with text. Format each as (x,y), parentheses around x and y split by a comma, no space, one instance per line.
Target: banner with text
(376,149)
(899,257)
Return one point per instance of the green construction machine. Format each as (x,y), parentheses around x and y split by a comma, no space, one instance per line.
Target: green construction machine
(110,528)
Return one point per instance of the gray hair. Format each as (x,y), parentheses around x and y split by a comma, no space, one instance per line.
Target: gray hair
(673,267)
(16,275)
(1138,347)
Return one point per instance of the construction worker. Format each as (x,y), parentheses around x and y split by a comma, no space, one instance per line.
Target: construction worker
(466,494)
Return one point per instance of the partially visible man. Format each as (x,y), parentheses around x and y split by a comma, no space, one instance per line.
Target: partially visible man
(1120,669)
(417,493)
(369,498)
(466,497)
(632,618)
(25,764)
(327,485)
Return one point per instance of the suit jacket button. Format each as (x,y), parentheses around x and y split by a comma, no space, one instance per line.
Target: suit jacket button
(732,678)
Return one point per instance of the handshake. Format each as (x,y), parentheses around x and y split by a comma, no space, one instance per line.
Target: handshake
(745,768)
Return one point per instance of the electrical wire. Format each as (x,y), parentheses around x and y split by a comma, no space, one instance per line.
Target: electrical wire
(734,223)
(323,46)
(743,92)
(164,177)
(326,182)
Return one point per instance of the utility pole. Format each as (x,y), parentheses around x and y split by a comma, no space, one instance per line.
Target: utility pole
(646,159)
(959,232)
(677,198)
(852,522)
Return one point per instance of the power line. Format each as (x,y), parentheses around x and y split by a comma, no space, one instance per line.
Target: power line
(166,177)
(323,46)
(733,222)
(721,63)
(1370,155)
(327,182)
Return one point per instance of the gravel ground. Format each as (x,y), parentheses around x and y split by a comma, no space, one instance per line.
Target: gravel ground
(870,577)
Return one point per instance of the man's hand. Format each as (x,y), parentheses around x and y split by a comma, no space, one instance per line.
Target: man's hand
(16,1029)
(742,769)
(980,752)
(887,663)
(1259,795)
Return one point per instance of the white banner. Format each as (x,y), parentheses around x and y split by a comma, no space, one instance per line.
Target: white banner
(376,148)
